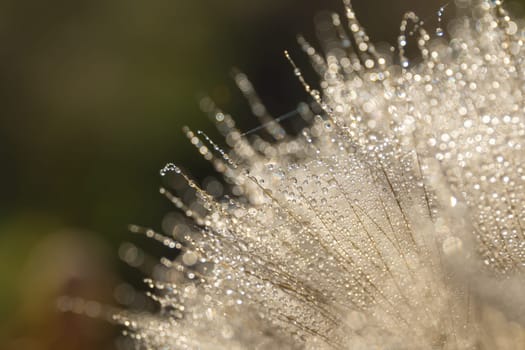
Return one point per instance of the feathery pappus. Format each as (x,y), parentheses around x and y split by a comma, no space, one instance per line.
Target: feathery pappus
(394,220)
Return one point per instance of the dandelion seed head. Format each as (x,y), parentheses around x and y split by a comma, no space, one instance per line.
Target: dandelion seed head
(393,220)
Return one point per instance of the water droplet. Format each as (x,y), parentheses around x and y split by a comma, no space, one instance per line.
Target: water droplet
(170,167)
(439,29)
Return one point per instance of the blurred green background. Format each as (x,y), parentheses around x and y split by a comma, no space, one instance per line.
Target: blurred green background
(94,95)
